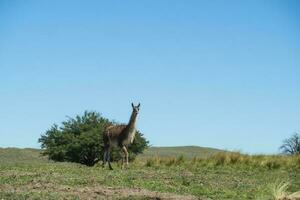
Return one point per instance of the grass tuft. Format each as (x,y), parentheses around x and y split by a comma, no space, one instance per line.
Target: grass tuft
(279,191)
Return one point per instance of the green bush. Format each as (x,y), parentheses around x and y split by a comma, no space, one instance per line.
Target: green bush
(79,140)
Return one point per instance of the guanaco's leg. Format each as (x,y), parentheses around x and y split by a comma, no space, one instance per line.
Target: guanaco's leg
(105,154)
(108,158)
(123,157)
(126,154)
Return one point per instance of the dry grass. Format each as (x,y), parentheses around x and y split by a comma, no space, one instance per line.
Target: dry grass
(279,191)
(230,158)
(267,161)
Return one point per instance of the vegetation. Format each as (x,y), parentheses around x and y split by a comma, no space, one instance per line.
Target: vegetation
(232,159)
(224,175)
(186,151)
(291,145)
(79,140)
(279,191)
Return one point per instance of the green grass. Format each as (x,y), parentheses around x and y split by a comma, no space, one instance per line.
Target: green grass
(24,174)
(16,155)
(186,151)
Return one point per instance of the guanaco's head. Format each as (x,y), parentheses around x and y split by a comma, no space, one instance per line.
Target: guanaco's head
(135,109)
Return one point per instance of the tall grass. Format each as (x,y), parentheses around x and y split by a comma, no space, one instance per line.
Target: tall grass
(279,191)
(230,159)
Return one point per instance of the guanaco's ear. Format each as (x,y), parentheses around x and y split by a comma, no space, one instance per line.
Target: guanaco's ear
(139,105)
(132,105)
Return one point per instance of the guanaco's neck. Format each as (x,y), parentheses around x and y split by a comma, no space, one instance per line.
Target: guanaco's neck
(132,121)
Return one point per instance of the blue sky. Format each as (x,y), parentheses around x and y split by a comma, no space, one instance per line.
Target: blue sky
(223,74)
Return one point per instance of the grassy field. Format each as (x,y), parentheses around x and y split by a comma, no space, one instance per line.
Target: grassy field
(186,151)
(158,174)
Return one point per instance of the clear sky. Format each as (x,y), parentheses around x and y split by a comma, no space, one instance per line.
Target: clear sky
(223,74)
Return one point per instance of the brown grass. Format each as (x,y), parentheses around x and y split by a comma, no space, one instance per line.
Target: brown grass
(230,159)
(279,191)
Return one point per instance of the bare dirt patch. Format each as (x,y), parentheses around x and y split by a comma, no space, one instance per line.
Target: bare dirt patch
(95,192)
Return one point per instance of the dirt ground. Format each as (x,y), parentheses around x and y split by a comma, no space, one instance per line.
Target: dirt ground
(96,192)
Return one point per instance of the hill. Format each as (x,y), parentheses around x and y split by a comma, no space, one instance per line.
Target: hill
(18,155)
(186,151)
